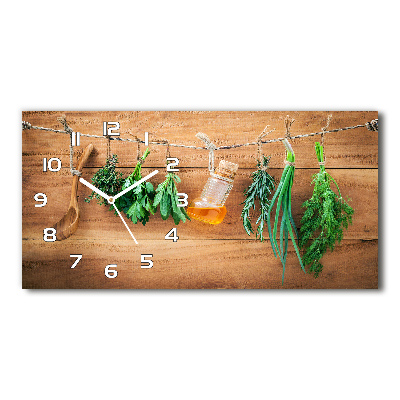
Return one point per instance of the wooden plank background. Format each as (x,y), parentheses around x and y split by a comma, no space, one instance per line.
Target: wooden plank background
(205,256)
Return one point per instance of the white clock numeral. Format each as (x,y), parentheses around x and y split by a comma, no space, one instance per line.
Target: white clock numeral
(182,202)
(40,197)
(48,165)
(109,130)
(76,139)
(78,258)
(49,235)
(146,138)
(148,262)
(111,273)
(174,162)
(172,235)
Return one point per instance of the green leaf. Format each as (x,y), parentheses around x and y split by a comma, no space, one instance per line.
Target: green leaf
(157,198)
(165,206)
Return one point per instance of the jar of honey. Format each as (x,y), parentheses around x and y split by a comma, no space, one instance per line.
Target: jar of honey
(209,207)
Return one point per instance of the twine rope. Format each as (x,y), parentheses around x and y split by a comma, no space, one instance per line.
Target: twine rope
(74,171)
(259,148)
(137,140)
(210,147)
(288,124)
(324,129)
(372,126)
(292,164)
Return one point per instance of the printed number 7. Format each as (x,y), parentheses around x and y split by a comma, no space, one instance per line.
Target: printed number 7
(78,258)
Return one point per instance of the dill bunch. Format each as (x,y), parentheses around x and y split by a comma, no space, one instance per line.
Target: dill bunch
(325,217)
(261,188)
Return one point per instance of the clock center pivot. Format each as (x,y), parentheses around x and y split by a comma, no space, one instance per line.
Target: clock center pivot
(111,200)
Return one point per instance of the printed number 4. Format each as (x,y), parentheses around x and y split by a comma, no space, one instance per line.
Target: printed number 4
(172,235)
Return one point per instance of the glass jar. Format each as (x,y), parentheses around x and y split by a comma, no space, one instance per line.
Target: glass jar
(209,207)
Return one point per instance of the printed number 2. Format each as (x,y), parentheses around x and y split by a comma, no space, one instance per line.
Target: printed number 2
(172,235)
(172,162)
(148,262)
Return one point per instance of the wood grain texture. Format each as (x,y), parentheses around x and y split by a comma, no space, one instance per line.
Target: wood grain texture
(193,264)
(220,256)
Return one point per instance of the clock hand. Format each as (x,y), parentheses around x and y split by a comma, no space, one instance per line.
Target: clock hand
(126,226)
(135,184)
(94,188)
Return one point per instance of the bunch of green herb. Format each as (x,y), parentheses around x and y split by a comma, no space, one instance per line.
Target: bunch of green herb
(325,217)
(261,188)
(107,179)
(138,202)
(283,198)
(167,198)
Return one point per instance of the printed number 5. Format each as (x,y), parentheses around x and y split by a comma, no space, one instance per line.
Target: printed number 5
(148,262)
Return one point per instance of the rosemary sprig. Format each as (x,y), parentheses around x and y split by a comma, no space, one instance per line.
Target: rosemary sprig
(261,188)
(108,180)
(325,217)
(167,198)
(282,198)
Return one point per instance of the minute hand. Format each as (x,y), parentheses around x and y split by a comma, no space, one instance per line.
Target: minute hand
(94,188)
(135,184)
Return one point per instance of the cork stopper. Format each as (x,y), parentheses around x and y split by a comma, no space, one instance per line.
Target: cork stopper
(227,169)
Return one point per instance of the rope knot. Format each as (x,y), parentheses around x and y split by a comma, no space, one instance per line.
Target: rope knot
(26,125)
(63,121)
(292,164)
(373,125)
(210,147)
(288,123)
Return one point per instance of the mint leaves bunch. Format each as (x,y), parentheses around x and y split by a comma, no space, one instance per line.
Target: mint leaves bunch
(167,198)
(137,204)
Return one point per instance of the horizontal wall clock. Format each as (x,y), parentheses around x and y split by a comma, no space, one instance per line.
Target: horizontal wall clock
(154,200)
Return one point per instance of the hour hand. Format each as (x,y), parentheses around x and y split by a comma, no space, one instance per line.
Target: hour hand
(94,188)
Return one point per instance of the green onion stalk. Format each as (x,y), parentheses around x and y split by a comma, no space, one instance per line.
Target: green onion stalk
(282,199)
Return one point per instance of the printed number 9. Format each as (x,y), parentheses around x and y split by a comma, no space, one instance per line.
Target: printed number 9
(40,197)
